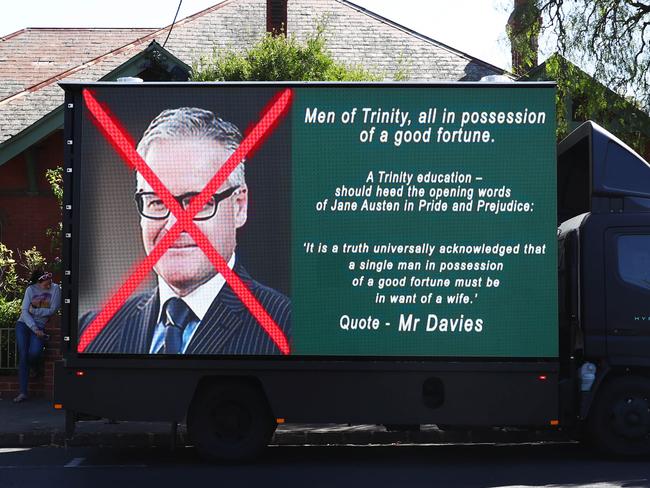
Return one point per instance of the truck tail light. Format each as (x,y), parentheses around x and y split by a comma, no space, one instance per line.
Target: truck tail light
(80,373)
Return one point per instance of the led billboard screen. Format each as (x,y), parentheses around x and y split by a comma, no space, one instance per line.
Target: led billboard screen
(376,220)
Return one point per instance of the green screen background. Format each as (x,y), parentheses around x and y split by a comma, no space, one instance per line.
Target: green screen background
(520,316)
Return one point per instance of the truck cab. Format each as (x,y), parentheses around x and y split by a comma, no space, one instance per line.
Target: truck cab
(604,285)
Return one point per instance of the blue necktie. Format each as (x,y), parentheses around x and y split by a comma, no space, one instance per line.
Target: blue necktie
(176,316)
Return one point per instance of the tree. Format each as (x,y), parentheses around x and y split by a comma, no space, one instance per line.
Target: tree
(612,36)
(608,38)
(281,58)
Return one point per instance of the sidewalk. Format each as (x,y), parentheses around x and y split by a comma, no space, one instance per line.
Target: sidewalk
(35,423)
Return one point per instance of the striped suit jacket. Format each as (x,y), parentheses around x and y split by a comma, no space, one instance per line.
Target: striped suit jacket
(227,327)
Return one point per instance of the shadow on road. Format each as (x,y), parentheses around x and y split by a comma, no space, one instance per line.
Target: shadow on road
(339,466)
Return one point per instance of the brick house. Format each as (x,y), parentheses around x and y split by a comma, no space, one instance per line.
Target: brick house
(33,61)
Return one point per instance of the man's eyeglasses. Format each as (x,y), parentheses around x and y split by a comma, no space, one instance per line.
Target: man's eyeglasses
(152,207)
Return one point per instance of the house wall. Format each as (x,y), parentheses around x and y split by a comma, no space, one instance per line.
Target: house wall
(27,205)
(27,209)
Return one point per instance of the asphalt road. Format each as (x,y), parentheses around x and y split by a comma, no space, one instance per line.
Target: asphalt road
(312,467)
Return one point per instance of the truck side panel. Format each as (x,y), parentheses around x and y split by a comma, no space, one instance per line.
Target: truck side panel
(478,394)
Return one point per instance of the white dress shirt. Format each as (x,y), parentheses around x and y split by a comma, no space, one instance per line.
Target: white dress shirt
(199,302)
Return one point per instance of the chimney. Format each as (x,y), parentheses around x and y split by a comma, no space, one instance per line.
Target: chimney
(523,28)
(276,16)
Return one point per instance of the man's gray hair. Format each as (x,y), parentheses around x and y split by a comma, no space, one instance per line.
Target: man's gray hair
(194,122)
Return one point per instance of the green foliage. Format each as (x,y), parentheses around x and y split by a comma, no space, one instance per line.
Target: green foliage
(580,97)
(279,58)
(10,283)
(9,311)
(12,290)
(585,30)
(10,302)
(31,260)
(15,273)
(55,179)
(9,314)
(610,37)
(402,70)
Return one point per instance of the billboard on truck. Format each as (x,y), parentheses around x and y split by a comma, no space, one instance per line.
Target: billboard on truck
(358,220)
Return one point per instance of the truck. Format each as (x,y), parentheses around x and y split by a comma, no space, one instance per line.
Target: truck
(238,255)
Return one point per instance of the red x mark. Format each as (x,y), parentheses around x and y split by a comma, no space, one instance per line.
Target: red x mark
(117,136)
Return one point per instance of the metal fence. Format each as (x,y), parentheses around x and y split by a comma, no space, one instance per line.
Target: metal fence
(8,349)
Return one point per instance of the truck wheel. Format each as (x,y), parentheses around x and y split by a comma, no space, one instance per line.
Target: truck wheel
(620,420)
(230,421)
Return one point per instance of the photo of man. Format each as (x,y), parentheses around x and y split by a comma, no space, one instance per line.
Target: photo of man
(192,309)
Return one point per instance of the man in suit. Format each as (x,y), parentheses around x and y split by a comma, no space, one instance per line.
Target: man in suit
(192,310)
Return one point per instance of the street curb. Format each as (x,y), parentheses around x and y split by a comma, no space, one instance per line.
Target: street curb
(291,438)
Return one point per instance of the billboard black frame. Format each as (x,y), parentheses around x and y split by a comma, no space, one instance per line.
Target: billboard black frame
(71,230)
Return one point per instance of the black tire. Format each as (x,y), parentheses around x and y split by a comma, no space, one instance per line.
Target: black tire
(230,421)
(619,423)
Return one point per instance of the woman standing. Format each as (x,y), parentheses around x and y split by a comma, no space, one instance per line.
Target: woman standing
(42,299)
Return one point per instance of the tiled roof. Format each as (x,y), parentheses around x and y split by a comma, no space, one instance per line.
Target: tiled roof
(355,36)
(358,36)
(30,56)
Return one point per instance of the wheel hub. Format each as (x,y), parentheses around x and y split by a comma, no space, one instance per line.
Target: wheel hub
(632,417)
(230,421)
